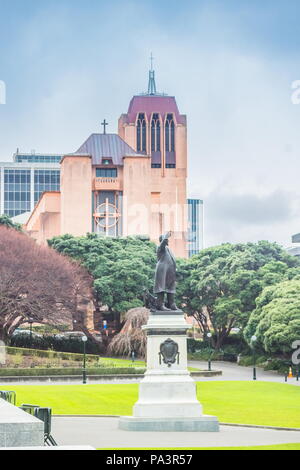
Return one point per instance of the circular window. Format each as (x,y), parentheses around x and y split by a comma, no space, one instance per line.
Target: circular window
(107,216)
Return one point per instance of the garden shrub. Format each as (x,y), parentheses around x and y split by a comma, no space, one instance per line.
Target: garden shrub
(37,372)
(59,343)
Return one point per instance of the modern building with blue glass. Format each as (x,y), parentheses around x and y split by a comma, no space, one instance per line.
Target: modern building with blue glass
(25,179)
(196,226)
(29,175)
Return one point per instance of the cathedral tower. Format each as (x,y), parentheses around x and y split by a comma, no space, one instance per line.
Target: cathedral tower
(154,127)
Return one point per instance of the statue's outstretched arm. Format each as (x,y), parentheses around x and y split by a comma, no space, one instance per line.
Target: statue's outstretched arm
(164,241)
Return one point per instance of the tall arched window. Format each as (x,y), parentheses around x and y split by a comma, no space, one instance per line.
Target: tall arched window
(141,134)
(170,142)
(155,133)
(156,141)
(170,134)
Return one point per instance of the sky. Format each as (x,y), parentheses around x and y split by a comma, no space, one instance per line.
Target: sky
(68,64)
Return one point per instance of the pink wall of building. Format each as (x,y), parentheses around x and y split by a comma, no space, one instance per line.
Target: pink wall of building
(76,195)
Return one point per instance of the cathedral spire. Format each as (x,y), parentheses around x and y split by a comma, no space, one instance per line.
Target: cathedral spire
(151,84)
(152,90)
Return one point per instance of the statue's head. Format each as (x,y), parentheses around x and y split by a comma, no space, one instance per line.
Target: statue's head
(161,238)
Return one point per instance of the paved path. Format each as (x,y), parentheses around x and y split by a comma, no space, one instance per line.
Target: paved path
(104,433)
(232,371)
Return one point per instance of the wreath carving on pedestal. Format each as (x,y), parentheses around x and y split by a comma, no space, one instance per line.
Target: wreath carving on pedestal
(169,352)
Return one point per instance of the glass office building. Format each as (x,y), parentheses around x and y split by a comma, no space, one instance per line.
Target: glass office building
(45,180)
(34,158)
(24,180)
(17,186)
(195,226)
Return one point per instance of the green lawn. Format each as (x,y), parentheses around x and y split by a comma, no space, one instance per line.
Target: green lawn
(127,363)
(122,362)
(259,403)
(274,447)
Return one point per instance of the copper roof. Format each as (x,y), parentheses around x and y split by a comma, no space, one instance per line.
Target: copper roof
(154,104)
(103,146)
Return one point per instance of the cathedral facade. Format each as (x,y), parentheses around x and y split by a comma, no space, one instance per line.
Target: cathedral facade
(130,183)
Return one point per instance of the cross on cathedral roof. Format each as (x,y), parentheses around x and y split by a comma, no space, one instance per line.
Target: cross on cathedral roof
(104,124)
(151,61)
(151,84)
(152,90)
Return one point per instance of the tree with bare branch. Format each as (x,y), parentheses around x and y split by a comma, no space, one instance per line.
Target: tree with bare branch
(38,283)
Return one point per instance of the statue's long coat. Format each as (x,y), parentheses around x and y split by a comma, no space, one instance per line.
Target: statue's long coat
(165,276)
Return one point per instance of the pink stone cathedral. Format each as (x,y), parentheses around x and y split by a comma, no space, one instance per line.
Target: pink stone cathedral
(130,183)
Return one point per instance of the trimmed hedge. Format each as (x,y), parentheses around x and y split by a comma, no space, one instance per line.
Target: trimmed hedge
(233,346)
(57,342)
(69,371)
(207,353)
(194,345)
(273,364)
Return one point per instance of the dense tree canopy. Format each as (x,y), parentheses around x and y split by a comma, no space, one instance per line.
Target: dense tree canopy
(276,319)
(38,283)
(121,267)
(219,286)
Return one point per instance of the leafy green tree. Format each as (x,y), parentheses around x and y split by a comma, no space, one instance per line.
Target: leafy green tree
(6,220)
(121,267)
(219,286)
(276,319)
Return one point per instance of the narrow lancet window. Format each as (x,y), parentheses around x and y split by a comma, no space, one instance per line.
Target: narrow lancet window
(156,141)
(155,133)
(170,134)
(170,142)
(141,136)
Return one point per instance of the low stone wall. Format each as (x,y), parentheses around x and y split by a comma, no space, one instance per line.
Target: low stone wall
(19,429)
(100,378)
(206,373)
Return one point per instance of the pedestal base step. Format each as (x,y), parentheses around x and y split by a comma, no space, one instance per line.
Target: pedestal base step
(201,424)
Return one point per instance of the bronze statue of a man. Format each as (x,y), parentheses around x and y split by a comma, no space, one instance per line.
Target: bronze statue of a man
(165,276)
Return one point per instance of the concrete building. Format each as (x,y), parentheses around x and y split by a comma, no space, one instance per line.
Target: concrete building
(130,183)
(294,250)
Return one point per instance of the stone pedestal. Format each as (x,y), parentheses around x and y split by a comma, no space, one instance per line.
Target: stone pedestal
(19,429)
(167,395)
